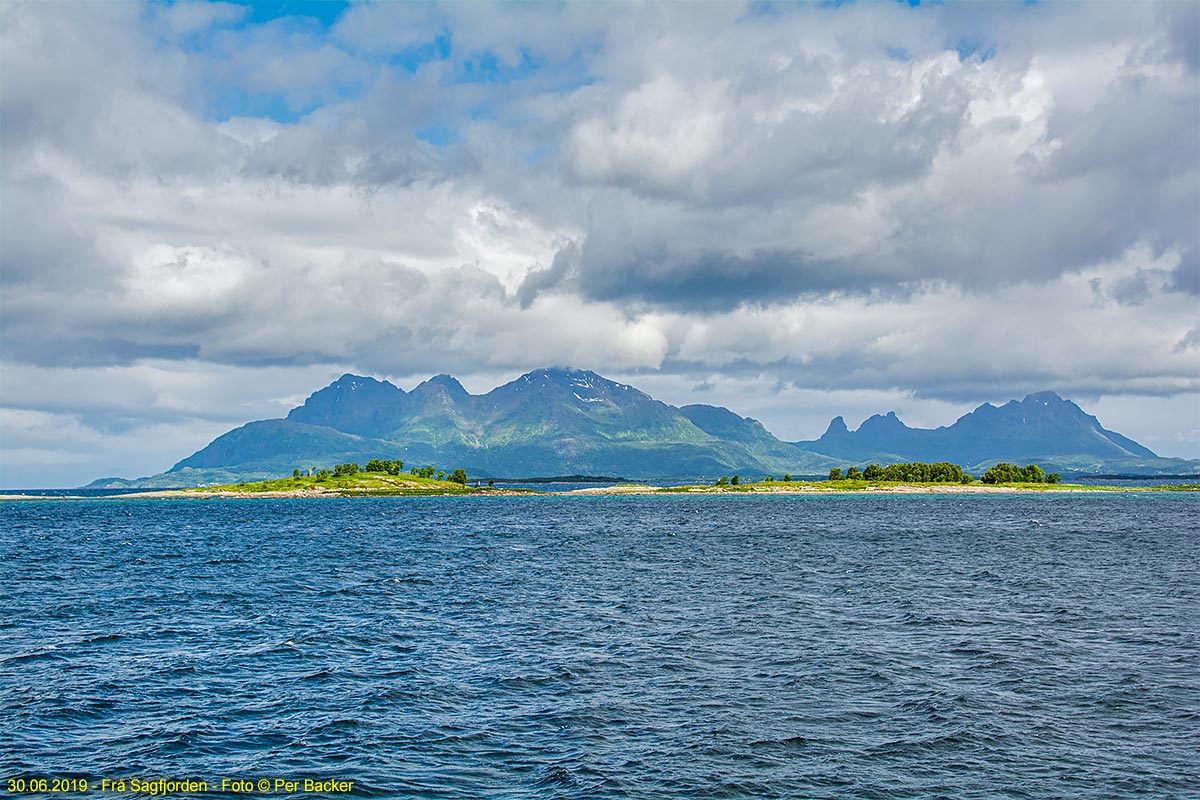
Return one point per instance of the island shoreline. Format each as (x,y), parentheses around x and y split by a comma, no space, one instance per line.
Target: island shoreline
(630,490)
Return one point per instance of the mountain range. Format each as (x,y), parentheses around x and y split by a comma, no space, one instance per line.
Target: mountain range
(562,421)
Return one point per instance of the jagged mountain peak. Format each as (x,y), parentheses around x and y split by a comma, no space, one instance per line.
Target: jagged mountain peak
(444,381)
(563,375)
(348,404)
(583,383)
(1044,398)
(878,422)
(837,427)
(351,382)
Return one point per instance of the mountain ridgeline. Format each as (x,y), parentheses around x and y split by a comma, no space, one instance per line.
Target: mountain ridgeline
(568,421)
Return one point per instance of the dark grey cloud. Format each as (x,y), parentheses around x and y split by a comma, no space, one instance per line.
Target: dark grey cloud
(1186,276)
(720,281)
(563,270)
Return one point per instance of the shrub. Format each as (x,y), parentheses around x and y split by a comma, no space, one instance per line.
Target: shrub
(1011,473)
(1032,473)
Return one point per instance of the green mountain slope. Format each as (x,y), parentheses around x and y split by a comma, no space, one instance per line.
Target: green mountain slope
(568,421)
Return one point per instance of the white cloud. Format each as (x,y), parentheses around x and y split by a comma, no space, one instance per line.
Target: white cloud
(661,137)
(827,198)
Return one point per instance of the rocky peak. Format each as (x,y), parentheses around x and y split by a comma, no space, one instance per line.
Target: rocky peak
(837,427)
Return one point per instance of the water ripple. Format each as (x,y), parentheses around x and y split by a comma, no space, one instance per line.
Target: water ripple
(791,647)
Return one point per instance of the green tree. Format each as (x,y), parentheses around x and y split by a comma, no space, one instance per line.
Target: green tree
(722,481)
(873,472)
(1003,473)
(1053,477)
(491,484)
(852,474)
(735,480)
(459,476)
(295,474)
(835,474)
(1011,473)
(787,477)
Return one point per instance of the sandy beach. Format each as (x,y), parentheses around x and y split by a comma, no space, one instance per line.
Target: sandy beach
(621,490)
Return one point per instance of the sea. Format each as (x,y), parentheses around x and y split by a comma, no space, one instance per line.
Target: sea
(840,646)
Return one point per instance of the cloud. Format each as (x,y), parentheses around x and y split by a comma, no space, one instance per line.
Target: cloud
(938,204)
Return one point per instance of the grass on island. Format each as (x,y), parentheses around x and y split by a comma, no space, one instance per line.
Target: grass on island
(362,483)
(858,485)
(382,484)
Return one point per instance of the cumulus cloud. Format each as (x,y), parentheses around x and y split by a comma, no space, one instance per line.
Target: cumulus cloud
(849,200)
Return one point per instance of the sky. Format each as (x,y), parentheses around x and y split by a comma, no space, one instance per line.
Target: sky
(795,210)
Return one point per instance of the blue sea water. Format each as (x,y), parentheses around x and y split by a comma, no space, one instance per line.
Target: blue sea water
(1020,646)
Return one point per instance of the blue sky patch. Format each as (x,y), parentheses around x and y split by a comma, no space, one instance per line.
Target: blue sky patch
(325,13)
(439,135)
(238,103)
(412,58)
(968,48)
(486,67)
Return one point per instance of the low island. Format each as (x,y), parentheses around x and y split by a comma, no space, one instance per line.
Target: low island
(387,479)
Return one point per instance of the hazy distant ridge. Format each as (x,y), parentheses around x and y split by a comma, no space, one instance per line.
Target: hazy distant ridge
(1042,427)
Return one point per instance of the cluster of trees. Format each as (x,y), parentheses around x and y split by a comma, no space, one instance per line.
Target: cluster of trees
(914,472)
(1011,473)
(390,467)
(458,476)
(944,472)
(338,471)
(725,480)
